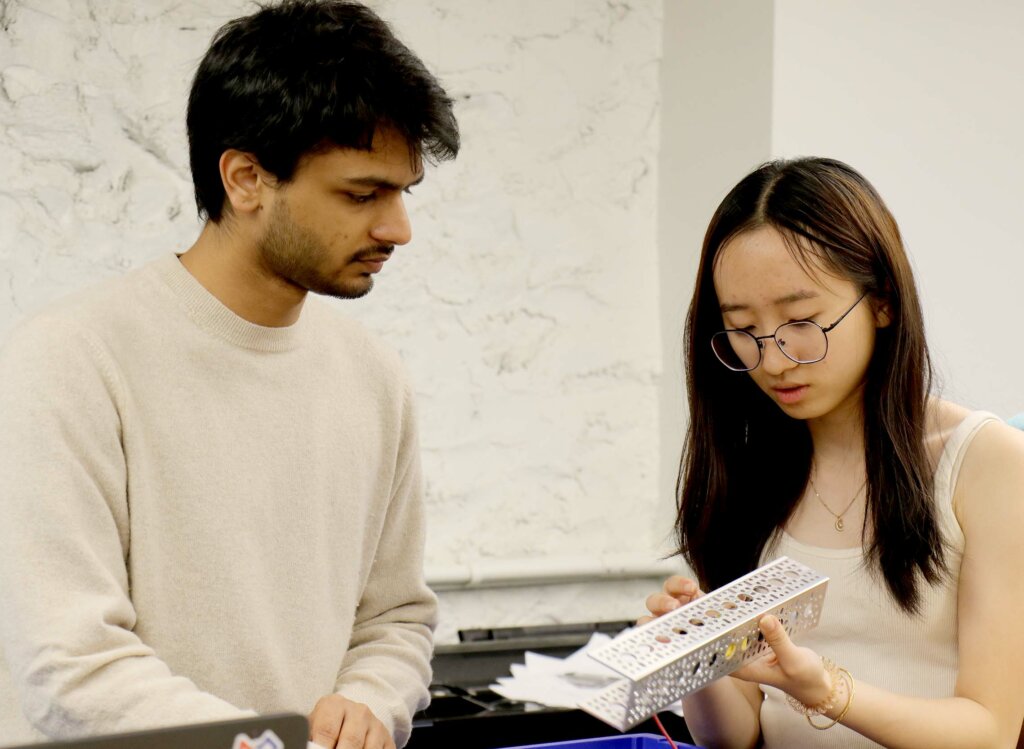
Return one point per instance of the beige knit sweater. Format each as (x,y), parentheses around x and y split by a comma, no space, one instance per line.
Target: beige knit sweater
(201,517)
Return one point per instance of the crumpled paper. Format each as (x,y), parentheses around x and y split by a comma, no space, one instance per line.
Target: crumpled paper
(559,682)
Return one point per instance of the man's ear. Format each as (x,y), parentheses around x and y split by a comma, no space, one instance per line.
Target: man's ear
(243,180)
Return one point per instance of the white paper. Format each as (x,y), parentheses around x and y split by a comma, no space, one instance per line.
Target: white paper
(557,682)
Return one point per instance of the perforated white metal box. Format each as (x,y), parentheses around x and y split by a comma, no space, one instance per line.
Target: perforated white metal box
(688,648)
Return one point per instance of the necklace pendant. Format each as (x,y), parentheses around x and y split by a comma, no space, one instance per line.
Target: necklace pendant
(839,524)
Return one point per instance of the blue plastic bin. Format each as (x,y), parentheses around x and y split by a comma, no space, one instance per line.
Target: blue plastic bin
(629,741)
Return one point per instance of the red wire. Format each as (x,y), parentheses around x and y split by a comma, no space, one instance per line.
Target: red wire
(664,733)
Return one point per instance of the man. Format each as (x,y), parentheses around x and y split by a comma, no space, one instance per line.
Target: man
(209,486)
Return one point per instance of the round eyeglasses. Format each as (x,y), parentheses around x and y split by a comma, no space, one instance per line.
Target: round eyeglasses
(804,342)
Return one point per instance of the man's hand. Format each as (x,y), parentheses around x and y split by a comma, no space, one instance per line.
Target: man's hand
(337,723)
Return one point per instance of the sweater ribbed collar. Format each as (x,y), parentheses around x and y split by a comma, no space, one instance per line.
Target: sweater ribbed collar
(210,314)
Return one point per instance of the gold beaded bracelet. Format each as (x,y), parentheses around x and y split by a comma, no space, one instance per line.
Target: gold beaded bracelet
(829,702)
(837,676)
(848,678)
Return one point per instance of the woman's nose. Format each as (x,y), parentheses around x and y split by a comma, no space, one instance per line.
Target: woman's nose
(773,360)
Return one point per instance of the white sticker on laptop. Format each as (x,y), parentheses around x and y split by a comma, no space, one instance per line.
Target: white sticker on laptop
(267,740)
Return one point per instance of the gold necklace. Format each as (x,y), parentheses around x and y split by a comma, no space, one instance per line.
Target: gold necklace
(839,524)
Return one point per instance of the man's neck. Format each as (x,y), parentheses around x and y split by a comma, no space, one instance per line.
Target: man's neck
(226,263)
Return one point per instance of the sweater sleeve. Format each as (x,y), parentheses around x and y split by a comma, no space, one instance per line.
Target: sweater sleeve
(387,666)
(67,623)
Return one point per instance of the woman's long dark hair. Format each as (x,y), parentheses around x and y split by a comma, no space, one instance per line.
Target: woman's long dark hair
(745,463)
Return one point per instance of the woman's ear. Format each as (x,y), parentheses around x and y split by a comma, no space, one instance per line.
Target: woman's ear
(883,313)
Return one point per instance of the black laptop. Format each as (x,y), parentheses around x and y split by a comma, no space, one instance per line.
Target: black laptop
(285,731)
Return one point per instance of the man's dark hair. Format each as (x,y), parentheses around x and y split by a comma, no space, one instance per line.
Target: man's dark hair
(302,75)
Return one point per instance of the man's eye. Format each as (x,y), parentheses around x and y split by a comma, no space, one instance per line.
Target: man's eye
(356,197)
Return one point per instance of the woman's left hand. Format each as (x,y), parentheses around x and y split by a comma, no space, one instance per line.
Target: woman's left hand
(795,670)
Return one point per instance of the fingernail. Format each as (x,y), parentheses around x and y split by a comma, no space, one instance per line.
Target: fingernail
(673,604)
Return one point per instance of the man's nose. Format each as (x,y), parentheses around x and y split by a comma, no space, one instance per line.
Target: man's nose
(392,226)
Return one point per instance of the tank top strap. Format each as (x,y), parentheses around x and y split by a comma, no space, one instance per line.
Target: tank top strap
(949,468)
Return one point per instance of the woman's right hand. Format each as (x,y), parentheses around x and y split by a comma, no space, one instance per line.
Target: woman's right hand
(676,591)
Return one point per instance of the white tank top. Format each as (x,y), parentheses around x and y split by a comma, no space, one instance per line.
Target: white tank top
(863,630)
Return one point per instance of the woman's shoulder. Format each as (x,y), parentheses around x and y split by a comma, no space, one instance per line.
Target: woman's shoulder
(992,467)
(941,421)
(944,418)
(998,447)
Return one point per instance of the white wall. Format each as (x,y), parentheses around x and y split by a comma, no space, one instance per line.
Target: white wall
(926,100)
(528,309)
(526,306)
(716,88)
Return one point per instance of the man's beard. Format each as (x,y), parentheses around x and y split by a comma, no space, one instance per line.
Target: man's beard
(295,254)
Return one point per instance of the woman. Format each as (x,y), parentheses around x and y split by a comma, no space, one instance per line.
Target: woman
(813,435)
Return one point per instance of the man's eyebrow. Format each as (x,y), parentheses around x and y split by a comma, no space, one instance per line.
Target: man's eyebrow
(381,182)
(796,296)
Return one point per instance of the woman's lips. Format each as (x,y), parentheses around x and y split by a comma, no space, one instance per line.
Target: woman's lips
(791,394)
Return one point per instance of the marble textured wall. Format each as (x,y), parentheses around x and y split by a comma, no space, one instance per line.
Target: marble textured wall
(526,306)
